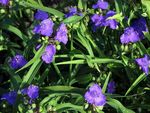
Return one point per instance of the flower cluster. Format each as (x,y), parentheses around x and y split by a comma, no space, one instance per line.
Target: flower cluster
(45,28)
(134,33)
(95,96)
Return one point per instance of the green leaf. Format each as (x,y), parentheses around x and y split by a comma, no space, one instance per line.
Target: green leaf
(62,89)
(146,4)
(96,60)
(46,9)
(72,19)
(147,35)
(141,48)
(106,83)
(118,106)
(15,31)
(27,79)
(68,106)
(136,82)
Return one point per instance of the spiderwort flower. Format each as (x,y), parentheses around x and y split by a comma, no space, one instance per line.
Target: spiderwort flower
(140,26)
(10,97)
(4,2)
(72,11)
(61,35)
(144,63)
(32,91)
(129,35)
(17,62)
(44,28)
(98,20)
(112,23)
(101,5)
(41,15)
(111,87)
(95,96)
(49,53)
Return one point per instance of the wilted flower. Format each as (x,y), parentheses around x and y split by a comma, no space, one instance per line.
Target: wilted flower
(17,62)
(95,96)
(44,28)
(49,53)
(111,87)
(10,97)
(61,35)
(100,4)
(144,63)
(41,15)
(72,11)
(4,2)
(129,35)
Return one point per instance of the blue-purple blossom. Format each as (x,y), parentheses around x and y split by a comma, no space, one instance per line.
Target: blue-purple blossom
(129,35)
(111,88)
(98,20)
(61,35)
(10,97)
(72,11)
(95,96)
(32,91)
(44,28)
(4,2)
(49,53)
(17,62)
(41,15)
(100,5)
(144,63)
(134,33)
(140,26)
(112,23)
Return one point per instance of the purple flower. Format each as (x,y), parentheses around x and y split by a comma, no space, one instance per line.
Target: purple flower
(32,91)
(10,97)
(4,2)
(98,20)
(41,15)
(72,11)
(49,53)
(61,35)
(140,26)
(129,35)
(144,63)
(134,33)
(101,5)
(17,62)
(112,23)
(95,96)
(111,87)
(44,28)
